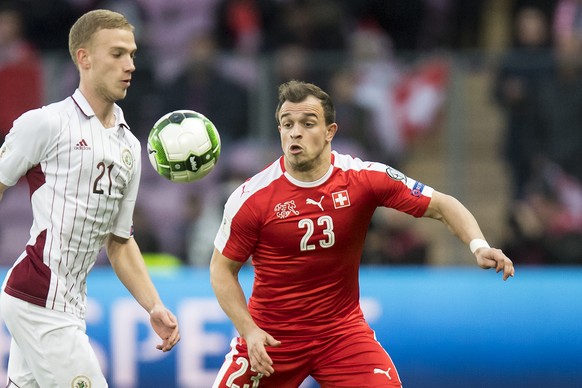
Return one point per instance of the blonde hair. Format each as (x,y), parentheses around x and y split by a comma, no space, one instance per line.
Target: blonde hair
(87,25)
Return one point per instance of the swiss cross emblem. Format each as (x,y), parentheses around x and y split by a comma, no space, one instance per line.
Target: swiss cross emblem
(341,199)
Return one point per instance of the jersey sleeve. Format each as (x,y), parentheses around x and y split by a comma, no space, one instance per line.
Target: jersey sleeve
(398,191)
(26,144)
(239,230)
(123,225)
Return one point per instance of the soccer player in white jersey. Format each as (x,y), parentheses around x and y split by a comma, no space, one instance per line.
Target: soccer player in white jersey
(83,167)
(303,221)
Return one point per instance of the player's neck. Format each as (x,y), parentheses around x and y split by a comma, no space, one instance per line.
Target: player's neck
(310,172)
(103,109)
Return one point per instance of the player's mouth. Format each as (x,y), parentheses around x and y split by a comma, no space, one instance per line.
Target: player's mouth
(295,149)
(126,82)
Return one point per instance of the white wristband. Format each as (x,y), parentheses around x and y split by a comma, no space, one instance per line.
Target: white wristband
(477,243)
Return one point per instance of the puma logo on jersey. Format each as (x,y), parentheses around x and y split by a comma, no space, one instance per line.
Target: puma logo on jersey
(82,145)
(385,372)
(310,201)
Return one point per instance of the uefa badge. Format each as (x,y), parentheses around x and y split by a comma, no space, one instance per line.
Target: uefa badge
(127,158)
(395,174)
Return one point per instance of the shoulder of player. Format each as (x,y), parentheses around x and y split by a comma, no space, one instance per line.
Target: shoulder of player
(249,188)
(55,115)
(40,121)
(350,163)
(131,138)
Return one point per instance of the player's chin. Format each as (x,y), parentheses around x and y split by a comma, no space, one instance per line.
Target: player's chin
(296,155)
(121,94)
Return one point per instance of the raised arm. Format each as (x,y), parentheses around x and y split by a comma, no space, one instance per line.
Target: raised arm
(463,224)
(224,280)
(128,264)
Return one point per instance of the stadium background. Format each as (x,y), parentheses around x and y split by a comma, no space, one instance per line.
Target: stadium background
(445,323)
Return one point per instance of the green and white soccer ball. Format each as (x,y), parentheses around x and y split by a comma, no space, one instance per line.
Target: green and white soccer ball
(183,146)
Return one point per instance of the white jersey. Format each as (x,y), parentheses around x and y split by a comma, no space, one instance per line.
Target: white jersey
(83,182)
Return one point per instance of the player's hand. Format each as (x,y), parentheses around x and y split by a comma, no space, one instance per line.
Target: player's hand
(495,258)
(256,341)
(165,325)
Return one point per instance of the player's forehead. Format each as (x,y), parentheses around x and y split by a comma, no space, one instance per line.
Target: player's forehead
(311,106)
(109,38)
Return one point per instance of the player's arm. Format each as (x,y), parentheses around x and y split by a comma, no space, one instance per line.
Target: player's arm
(128,264)
(463,224)
(224,280)
(3,188)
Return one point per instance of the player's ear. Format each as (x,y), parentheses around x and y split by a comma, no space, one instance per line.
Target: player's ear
(83,58)
(331,131)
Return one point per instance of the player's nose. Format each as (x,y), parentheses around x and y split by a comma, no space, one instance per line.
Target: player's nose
(295,132)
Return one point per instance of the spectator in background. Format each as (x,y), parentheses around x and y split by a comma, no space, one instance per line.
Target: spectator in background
(47,25)
(170,27)
(240,24)
(48,22)
(567,23)
(357,136)
(546,227)
(545,224)
(392,240)
(404,98)
(20,69)
(401,20)
(517,86)
(314,24)
(145,236)
(466,23)
(204,88)
(561,108)
(377,72)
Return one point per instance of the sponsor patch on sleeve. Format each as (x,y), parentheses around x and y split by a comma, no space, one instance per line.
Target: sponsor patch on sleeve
(395,174)
(417,189)
(3,150)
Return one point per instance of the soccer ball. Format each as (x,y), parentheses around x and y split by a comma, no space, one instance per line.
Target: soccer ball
(183,146)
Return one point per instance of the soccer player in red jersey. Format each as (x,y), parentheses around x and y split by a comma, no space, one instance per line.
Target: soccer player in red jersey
(83,167)
(303,221)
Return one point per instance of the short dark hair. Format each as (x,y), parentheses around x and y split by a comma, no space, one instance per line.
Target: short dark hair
(297,91)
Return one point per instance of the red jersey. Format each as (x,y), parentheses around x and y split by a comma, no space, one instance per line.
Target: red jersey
(306,239)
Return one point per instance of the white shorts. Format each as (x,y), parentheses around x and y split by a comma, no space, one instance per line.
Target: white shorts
(49,348)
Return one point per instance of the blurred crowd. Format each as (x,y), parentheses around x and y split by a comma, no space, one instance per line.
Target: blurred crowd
(386,63)
(539,88)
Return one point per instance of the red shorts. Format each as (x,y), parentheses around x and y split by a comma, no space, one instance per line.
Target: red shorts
(355,359)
